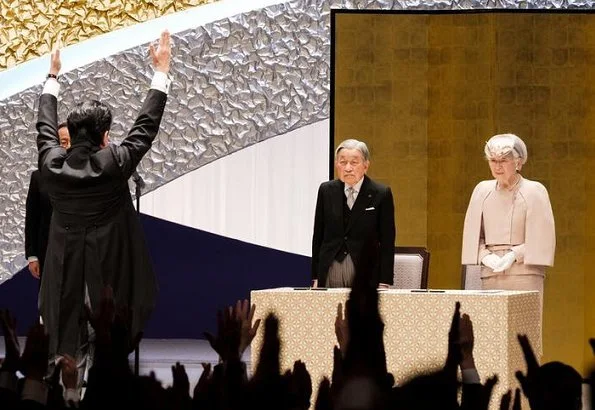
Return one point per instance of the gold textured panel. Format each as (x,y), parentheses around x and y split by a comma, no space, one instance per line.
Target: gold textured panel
(30,28)
(416,329)
(381,98)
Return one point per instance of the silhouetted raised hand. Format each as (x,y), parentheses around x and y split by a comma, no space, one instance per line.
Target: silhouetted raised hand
(111,374)
(266,389)
(180,384)
(475,395)
(112,324)
(478,396)
(9,397)
(147,393)
(228,339)
(341,329)
(55,397)
(324,400)
(200,396)
(338,376)
(179,392)
(34,361)
(245,314)
(11,342)
(466,342)
(454,355)
(506,397)
(268,363)
(529,382)
(102,318)
(69,371)
(365,354)
(299,386)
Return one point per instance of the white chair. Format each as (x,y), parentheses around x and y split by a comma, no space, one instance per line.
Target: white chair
(471,277)
(411,267)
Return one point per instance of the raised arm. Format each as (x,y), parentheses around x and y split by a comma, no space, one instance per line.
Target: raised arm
(146,126)
(47,117)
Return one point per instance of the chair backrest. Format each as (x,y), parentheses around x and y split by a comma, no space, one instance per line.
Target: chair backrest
(471,277)
(411,267)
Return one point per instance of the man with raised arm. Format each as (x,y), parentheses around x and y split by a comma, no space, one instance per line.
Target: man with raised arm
(95,238)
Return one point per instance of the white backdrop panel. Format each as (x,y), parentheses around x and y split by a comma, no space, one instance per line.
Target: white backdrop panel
(264,194)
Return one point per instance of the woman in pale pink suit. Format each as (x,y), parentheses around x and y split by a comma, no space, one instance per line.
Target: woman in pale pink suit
(509,226)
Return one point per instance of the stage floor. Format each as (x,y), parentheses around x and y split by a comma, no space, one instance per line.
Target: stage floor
(159,355)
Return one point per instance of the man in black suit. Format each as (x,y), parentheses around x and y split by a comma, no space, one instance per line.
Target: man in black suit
(96,239)
(39,213)
(350,211)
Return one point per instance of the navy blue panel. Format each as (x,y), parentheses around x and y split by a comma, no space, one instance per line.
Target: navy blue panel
(200,272)
(19,294)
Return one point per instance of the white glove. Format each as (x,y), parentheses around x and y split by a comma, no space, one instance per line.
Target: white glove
(491,260)
(506,262)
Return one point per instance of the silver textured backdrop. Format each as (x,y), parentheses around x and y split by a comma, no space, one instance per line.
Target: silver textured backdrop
(237,81)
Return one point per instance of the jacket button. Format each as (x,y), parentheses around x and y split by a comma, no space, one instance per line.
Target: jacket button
(344,252)
(345,238)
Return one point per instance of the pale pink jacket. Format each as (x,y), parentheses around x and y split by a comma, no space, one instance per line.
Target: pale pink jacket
(540,232)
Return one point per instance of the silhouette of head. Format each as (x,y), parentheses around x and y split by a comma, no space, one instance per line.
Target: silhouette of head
(561,386)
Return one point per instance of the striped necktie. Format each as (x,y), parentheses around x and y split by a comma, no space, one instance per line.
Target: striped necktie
(350,197)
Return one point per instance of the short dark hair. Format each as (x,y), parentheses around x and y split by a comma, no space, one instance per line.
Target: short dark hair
(62,124)
(89,120)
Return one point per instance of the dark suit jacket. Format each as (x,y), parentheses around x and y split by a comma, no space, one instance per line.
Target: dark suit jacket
(95,235)
(372,218)
(37,219)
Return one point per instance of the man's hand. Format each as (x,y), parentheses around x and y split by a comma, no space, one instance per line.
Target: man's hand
(34,269)
(162,55)
(69,372)
(34,361)
(529,382)
(454,355)
(202,387)
(181,384)
(229,334)
(466,340)
(505,401)
(383,286)
(13,352)
(341,329)
(314,283)
(245,314)
(55,62)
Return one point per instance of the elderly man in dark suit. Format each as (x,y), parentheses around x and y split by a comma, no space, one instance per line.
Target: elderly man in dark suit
(350,211)
(39,213)
(96,239)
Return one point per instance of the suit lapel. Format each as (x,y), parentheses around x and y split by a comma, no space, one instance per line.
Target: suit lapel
(364,197)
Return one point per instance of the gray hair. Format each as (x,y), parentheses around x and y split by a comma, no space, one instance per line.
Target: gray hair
(502,145)
(354,144)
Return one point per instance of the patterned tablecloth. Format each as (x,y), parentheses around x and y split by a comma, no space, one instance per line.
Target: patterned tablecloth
(415,333)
